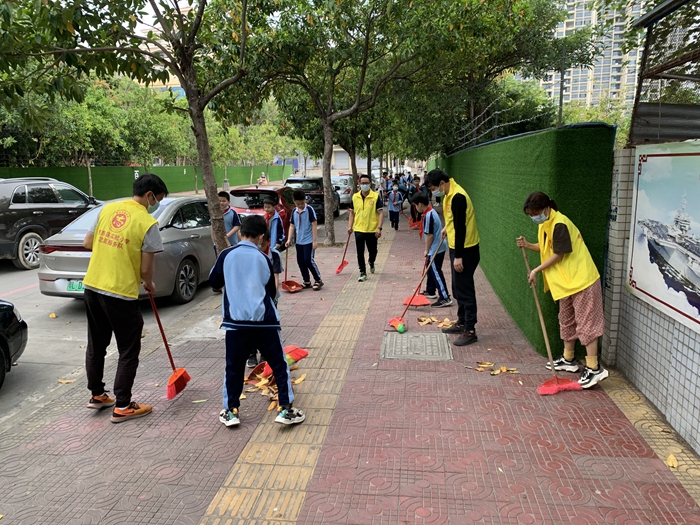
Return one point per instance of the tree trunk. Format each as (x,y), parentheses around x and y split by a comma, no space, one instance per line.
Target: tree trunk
(210,189)
(87,163)
(284,166)
(328,200)
(252,166)
(368,144)
(353,163)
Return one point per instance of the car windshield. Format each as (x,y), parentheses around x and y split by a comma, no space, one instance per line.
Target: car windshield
(251,199)
(342,181)
(87,219)
(306,185)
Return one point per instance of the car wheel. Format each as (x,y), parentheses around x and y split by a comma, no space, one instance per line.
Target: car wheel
(336,212)
(3,366)
(28,251)
(185,282)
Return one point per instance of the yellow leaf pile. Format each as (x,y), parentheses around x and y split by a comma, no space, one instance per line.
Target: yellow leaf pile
(267,387)
(424,320)
(486,366)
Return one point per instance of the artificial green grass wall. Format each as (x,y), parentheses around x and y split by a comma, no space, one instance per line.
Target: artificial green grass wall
(573,165)
(112,182)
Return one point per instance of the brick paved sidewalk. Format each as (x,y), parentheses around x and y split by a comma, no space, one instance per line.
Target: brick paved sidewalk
(385,441)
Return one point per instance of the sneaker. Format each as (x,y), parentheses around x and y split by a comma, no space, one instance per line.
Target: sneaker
(133,411)
(563,365)
(99,402)
(466,338)
(318,285)
(454,329)
(442,303)
(371,266)
(591,377)
(306,284)
(229,417)
(290,416)
(252,362)
(362,278)
(429,295)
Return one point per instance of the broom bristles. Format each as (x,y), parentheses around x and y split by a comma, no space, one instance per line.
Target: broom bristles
(556,385)
(177,382)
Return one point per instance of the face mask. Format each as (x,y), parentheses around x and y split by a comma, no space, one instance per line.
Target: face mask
(539,219)
(153,207)
(395,188)
(364,187)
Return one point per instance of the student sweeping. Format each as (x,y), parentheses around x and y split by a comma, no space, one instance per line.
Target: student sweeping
(274,224)
(251,321)
(431,227)
(303,223)
(277,269)
(394,202)
(572,278)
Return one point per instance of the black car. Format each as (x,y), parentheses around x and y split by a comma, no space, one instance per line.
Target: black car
(313,188)
(13,337)
(32,209)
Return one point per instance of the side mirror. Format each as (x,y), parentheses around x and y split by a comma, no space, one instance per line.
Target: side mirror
(92,201)
(337,188)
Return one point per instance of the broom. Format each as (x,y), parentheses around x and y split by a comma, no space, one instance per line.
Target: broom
(179,378)
(556,384)
(398,322)
(344,263)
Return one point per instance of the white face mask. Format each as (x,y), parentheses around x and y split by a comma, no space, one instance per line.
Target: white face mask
(153,207)
(395,188)
(539,219)
(364,187)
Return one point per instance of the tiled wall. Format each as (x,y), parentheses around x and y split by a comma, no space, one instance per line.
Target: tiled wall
(659,355)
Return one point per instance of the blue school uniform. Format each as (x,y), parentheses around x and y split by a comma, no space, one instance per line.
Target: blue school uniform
(303,224)
(276,230)
(394,200)
(231,220)
(436,279)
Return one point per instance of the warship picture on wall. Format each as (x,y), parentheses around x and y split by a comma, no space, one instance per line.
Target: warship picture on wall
(664,254)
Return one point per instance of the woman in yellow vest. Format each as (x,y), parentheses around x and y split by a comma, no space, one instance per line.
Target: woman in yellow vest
(463,242)
(572,278)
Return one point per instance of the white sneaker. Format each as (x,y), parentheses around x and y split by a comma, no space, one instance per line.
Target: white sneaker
(290,416)
(591,377)
(562,365)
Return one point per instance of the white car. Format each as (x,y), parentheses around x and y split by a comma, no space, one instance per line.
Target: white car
(344,182)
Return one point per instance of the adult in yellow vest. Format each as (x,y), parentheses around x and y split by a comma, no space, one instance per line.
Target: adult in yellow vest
(124,240)
(366,215)
(463,242)
(572,278)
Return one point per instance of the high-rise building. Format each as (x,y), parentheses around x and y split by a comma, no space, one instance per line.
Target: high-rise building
(614,73)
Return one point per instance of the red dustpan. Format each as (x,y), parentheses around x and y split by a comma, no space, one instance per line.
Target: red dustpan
(344,263)
(556,384)
(289,286)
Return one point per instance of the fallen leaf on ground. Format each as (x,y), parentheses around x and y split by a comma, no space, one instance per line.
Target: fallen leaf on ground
(265,391)
(68,322)
(499,469)
(484,363)
(300,379)
(422,320)
(393,255)
(495,372)
(66,381)
(143,335)
(293,367)
(322,299)
(242,397)
(511,369)
(200,401)
(520,383)
(470,367)
(273,404)
(503,369)
(157,384)
(249,390)
(82,346)
(435,319)
(53,315)
(488,349)
(263,382)
(671,461)
(479,369)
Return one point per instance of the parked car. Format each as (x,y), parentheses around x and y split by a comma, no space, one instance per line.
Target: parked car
(313,188)
(188,252)
(13,337)
(32,209)
(344,182)
(249,199)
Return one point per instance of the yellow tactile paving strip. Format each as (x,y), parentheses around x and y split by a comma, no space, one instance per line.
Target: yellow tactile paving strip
(651,425)
(267,485)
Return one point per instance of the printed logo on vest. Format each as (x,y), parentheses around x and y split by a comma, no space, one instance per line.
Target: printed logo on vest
(119,220)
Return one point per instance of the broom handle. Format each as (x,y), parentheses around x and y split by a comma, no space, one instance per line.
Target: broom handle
(346,248)
(286,263)
(425,272)
(162,332)
(539,312)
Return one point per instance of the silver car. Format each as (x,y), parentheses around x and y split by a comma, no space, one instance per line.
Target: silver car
(344,182)
(188,252)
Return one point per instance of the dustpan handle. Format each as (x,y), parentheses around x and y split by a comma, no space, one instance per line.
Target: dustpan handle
(162,332)
(539,312)
(425,272)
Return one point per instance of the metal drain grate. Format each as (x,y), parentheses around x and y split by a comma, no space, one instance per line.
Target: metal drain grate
(419,346)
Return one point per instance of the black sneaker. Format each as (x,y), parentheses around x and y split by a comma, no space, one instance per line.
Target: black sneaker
(591,377)
(290,416)
(252,362)
(318,285)
(429,295)
(306,284)
(454,329)
(563,365)
(371,266)
(442,303)
(230,417)
(362,278)
(466,338)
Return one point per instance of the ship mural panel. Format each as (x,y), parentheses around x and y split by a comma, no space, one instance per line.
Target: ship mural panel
(664,249)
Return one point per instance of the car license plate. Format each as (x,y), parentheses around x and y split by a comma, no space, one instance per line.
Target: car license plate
(75,286)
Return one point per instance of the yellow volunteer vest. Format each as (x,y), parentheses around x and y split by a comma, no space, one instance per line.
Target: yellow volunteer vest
(115,264)
(576,271)
(365,210)
(472,237)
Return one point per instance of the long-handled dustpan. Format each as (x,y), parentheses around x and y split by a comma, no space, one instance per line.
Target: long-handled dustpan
(556,384)
(179,378)
(289,286)
(344,263)
(398,322)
